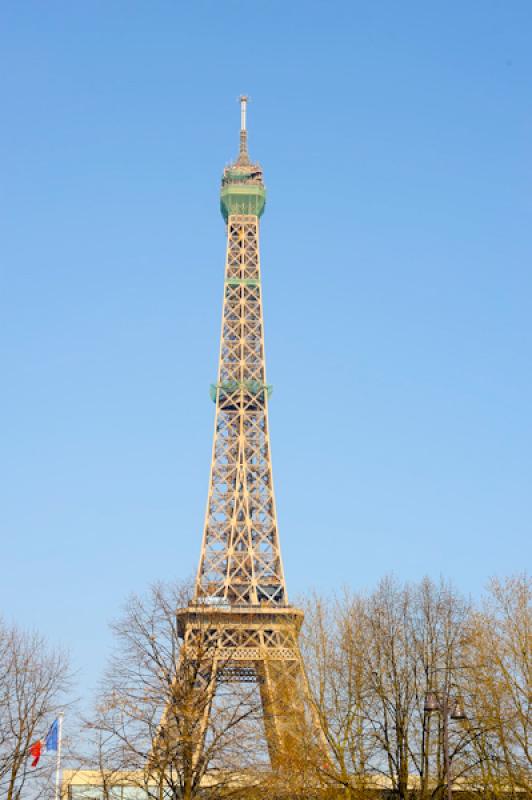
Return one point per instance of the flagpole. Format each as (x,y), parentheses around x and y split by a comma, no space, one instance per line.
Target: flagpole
(58,757)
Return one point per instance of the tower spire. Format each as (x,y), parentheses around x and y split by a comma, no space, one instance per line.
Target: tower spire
(243,156)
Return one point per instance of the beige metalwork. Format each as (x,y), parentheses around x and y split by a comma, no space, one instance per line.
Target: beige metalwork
(240,559)
(240,615)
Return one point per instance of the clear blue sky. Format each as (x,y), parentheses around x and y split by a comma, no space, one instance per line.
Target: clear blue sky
(397,259)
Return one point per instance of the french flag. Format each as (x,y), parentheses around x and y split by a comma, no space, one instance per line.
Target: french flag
(50,743)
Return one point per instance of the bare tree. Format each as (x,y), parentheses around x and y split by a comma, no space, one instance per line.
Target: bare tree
(440,626)
(500,649)
(370,661)
(390,658)
(152,718)
(334,645)
(34,680)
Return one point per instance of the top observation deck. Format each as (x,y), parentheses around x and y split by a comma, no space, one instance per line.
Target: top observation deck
(243,190)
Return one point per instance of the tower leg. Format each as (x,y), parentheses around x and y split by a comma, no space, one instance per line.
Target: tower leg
(283,702)
(181,735)
(207,690)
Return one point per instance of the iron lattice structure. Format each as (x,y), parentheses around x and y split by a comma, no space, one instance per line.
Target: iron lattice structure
(241,560)
(240,623)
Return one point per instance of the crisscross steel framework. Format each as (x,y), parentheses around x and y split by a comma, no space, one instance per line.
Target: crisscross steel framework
(240,559)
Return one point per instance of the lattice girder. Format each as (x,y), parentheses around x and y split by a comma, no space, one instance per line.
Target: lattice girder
(241,559)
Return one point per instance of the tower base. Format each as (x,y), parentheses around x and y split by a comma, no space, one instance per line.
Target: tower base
(252,644)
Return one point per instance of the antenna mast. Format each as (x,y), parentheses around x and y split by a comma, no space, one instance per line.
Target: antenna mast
(243,157)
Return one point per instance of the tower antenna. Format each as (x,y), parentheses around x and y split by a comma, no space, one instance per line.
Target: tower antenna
(243,157)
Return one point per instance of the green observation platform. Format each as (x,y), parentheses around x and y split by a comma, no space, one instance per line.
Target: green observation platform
(242,191)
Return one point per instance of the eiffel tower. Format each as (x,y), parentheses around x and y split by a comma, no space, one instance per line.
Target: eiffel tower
(240,605)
